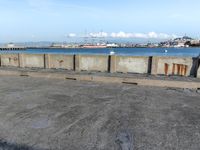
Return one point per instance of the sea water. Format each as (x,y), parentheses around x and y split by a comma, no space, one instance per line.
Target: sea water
(193,52)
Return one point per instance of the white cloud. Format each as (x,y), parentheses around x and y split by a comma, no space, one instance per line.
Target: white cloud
(150,35)
(121,34)
(167,36)
(99,34)
(140,35)
(153,35)
(71,35)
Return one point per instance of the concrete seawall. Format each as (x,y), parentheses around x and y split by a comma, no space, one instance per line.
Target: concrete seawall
(183,66)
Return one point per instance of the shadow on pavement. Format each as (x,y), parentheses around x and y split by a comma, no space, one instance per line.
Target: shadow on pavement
(10,146)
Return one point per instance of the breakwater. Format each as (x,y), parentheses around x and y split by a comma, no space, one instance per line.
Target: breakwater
(182,66)
(5,48)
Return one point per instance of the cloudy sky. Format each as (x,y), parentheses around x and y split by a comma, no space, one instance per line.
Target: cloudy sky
(60,20)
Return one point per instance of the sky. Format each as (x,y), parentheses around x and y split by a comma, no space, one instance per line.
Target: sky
(63,20)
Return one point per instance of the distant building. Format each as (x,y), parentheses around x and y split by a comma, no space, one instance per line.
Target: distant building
(195,42)
(184,41)
(112,45)
(180,44)
(58,45)
(10,45)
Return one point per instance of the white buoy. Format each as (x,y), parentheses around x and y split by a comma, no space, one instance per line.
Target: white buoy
(112,53)
(166,51)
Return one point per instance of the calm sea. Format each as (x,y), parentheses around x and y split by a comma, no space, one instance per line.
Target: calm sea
(194,52)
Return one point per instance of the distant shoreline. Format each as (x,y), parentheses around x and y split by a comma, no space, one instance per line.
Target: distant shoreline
(109,47)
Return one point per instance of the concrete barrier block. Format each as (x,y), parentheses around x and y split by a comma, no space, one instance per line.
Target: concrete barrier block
(10,60)
(61,61)
(154,65)
(33,60)
(93,63)
(173,66)
(198,72)
(132,64)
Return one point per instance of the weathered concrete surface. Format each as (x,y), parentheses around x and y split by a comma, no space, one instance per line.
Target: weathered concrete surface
(132,64)
(172,66)
(182,66)
(33,60)
(61,61)
(93,63)
(9,60)
(21,60)
(38,114)
(137,79)
(198,72)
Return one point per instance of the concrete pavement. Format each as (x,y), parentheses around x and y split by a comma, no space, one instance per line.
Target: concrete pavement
(52,114)
(137,79)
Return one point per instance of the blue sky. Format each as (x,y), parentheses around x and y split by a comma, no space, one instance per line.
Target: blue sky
(60,20)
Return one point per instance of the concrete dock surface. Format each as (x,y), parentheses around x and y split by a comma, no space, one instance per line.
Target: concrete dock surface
(105,77)
(53,114)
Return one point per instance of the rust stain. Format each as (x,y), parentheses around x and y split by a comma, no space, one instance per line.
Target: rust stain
(185,70)
(179,69)
(10,59)
(15,59)
(61,61)
(182,70)
(166,69)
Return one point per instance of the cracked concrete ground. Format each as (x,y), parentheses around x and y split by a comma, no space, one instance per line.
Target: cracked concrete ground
(50,114)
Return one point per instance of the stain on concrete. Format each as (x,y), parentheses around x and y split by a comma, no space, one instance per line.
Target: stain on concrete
(59,97)
(40,123)
(31,106)
(10,146)
(125,140)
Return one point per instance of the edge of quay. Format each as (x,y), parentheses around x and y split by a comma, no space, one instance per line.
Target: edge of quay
(157,82)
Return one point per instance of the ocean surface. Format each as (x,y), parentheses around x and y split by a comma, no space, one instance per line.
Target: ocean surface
(194,52)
